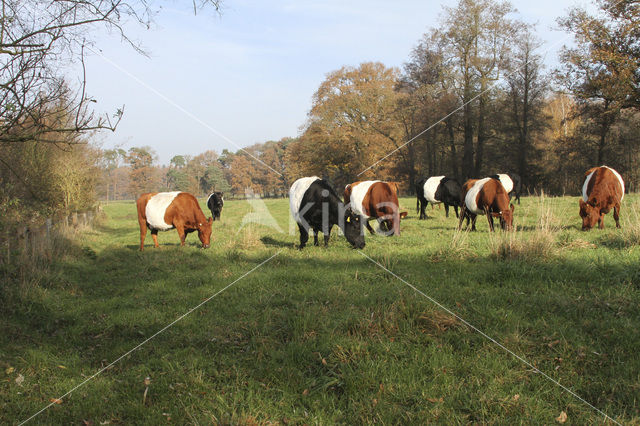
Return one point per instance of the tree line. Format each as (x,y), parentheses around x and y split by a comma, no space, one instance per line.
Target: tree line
(473,98)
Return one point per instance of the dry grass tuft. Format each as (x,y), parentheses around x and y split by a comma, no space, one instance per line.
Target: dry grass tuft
(246,238)
(459,248)
(515,246)
(539,244)
(437,322)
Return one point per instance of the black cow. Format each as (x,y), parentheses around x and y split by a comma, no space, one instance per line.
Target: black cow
(215,203)
(511,182)
(315,205)
(435,190)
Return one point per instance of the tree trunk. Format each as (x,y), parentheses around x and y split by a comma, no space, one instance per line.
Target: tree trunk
(452,144)
(482,137)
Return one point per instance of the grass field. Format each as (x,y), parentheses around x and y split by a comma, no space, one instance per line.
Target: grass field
(325,336)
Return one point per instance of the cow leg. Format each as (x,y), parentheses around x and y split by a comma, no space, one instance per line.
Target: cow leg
(327,235)
(616,214)
(315,236)
(181,233)
(456,209)
(601,221)
(143,233)
(154,235)
(490,219)
(304,236)
(368,225)
(473,221)
(463,213)
(446,210)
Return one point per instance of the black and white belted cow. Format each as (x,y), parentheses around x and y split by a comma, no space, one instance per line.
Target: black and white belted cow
(215,203)
(315,205)
(436,190)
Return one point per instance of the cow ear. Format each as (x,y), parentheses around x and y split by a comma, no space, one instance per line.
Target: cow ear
(593,202)
(512,207)
(210,220)
(348,219)
(582,203)
(403,215)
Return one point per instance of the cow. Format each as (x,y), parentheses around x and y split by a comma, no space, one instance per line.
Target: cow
(162,211)
(315,205)
(603,188)
(435,190)
(511,182)
(486,196)
(215,203)
(374,199)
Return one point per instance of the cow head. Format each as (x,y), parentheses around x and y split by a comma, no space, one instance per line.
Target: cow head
(506,218)
(353,229)
(204,232)
(589,214)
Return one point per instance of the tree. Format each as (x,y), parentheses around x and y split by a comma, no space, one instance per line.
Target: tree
(602,70)
(525,100)
(352,122)
(111,161)
(476,36)
(36,37)
(214,179)
(142,176)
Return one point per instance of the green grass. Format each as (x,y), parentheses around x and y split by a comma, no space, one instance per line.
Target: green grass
(326,336)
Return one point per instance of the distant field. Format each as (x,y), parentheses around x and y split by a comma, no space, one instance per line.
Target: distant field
(325,335)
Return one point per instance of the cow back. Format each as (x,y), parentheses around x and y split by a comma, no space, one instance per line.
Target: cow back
(358,194)
(601,184)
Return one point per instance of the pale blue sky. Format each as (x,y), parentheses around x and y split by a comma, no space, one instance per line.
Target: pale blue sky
(248,75)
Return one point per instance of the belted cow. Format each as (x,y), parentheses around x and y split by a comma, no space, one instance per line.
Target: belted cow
(374,199)
(215,203)
(162,211)
(487,197)
(315,205)
(435,190)
(603,189)
(511,182)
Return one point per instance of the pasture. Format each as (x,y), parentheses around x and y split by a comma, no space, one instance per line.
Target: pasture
(325,335)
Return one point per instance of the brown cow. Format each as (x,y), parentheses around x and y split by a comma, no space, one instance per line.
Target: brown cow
(374,199)
(603,188)
(161,211)
(486,196)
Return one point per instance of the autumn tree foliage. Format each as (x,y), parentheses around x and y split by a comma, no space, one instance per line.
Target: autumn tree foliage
(473,98)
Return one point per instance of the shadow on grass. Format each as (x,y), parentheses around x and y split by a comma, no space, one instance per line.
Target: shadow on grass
(123,296)
(272,242)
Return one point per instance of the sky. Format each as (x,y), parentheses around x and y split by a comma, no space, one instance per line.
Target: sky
(224,81)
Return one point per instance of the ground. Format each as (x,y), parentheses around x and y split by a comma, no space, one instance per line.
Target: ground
(324,335)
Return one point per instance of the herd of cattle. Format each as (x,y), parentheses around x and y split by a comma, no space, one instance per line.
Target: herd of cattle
(315,205)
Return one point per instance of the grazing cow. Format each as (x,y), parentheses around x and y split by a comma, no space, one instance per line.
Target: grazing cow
(486,196)
(215,203)
(511,182)
(374,199)
(315,205)
(603,188)
(161,211)
(435,190)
